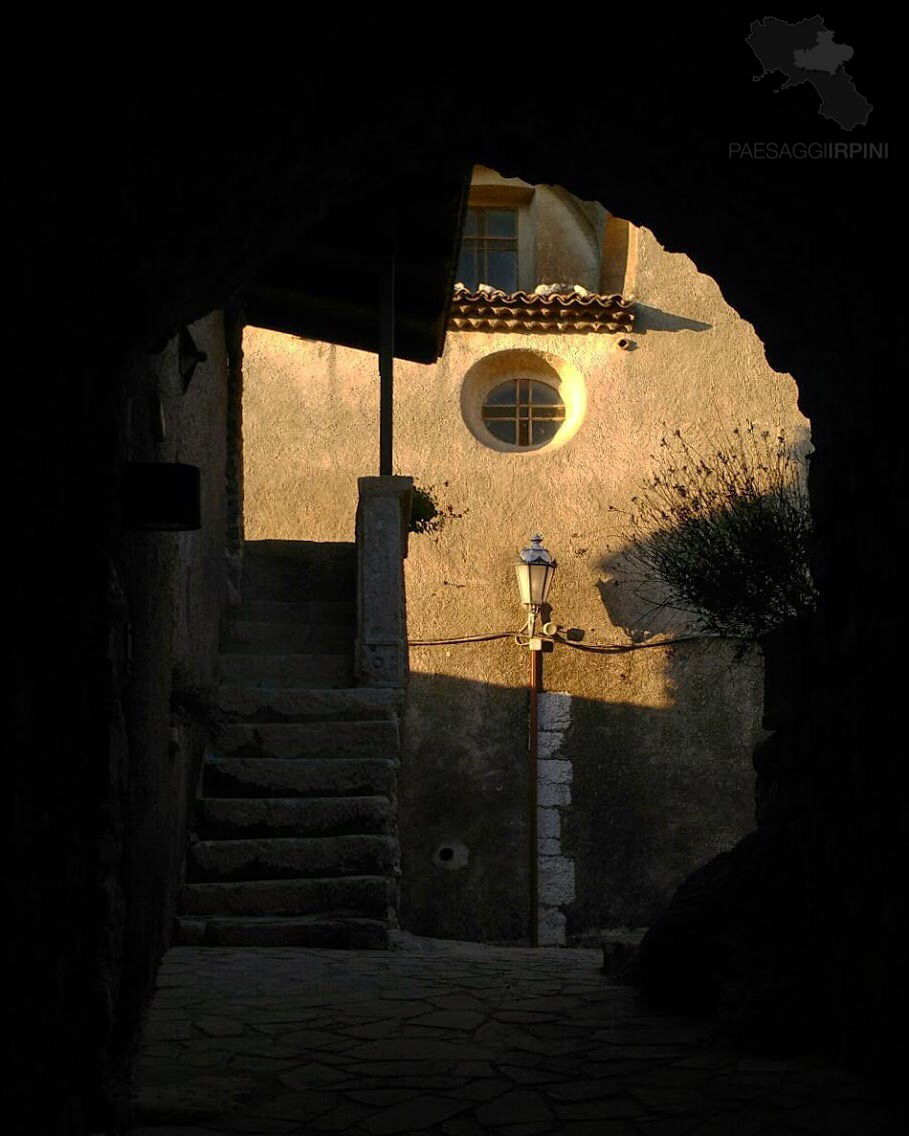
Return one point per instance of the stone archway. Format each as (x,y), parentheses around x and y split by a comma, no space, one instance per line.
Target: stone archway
(139,213)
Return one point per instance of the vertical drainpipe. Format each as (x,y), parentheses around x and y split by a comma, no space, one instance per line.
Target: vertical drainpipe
(386,360)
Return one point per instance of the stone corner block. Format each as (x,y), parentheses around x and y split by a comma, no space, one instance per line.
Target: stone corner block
(553,794)
(551,924)
(554,712)
(548,744)
(549,823)
(554,771)
(557,883)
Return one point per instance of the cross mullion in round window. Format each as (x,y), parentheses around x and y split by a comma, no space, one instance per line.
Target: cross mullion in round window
(523,412)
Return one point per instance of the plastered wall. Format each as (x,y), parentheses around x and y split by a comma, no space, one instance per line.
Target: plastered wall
(660,739)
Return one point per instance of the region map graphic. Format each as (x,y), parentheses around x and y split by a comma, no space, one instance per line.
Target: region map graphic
(806,53)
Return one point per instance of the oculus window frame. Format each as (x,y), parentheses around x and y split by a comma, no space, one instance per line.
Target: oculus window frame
(523,412)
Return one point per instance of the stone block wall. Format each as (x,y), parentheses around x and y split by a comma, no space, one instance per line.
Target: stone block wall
(171,589)
(167,592)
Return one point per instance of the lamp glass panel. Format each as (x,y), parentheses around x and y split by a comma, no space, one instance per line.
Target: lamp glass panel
(534,581)
(539,574)
(522,571)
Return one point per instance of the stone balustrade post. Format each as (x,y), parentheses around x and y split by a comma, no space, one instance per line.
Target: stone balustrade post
(383,515)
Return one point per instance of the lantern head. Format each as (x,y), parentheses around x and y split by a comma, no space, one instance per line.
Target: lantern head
(535,569)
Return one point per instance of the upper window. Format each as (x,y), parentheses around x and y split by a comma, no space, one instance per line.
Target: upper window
(489,249)
(523,412)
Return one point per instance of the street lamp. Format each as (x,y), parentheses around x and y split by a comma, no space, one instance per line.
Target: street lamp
(535,569)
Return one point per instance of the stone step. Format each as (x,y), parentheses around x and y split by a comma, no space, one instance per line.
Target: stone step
(319,671)
(262,703)
(289,857)
(338,612)
(268,931)
(225,817)
(283,777)
(297,571)
(306,740)
(348,895)
(249,637)
(297,551)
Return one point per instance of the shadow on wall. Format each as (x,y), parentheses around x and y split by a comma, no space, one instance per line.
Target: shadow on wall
(654,319)
(654,793)
(740,553)
(639,608)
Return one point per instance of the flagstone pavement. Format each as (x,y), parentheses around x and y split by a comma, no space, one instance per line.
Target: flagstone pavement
(458,1039)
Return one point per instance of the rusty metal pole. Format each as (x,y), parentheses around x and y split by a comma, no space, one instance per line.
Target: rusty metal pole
(536,669)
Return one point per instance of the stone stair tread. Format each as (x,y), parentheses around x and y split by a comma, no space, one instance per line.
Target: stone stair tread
(350,703)
(288,670)
(307,740)
(286,777)
(295,931)
(365,895)
(288,586)
(301,815)
(295,571)
(306,551)
(291,655)
(289,611)
(270,637)
(290,857)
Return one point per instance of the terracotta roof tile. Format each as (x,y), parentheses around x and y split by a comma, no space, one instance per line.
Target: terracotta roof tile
(564,312)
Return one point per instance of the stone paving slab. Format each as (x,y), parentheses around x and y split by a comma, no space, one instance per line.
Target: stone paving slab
(459,1039)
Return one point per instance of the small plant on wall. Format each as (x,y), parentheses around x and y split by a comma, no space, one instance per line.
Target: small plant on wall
(723,532)
(427,513)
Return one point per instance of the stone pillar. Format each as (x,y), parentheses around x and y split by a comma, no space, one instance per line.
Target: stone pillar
(383,514)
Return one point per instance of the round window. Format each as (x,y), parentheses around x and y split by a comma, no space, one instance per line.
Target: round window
(523,402)
(523,412)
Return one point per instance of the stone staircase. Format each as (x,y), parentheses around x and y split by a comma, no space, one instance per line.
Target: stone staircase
(295,838)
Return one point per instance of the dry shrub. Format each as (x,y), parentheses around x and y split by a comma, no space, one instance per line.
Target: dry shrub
(723,532)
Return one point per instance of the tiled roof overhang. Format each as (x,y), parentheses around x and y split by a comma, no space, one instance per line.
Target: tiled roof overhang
(562,313)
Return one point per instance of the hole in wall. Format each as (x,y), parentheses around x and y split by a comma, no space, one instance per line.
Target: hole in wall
(451,854)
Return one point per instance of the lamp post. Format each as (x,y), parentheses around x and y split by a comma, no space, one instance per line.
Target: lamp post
(535,569)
